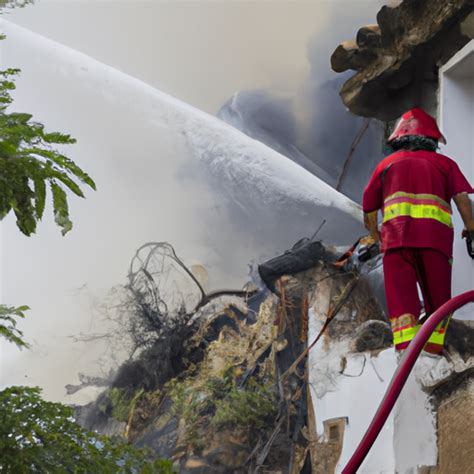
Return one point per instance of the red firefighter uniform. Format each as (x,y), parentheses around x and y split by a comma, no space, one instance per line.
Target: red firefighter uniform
(413,189)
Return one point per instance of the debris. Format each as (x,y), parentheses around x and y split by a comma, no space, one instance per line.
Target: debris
(305,254)
(228,392)
(373,335)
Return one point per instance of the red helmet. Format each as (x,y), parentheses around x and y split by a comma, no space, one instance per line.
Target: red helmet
(417,122)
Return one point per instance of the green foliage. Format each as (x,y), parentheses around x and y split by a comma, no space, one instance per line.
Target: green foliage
(15,3)
(189,405)
(122,402)
(29,163)
(40,436)
(220,403)
(251,407)
(8,328)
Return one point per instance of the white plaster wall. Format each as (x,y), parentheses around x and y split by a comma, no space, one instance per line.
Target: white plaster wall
(457,121)
(408,439)
(414,437)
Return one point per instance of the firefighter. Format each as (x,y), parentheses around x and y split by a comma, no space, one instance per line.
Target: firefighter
(413,187)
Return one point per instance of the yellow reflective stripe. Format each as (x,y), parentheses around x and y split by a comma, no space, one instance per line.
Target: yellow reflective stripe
(437,338)
(445,322)
(405,335)
(417,211)
(440,333)
(434,197)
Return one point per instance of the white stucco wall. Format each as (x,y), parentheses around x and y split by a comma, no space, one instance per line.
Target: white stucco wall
(407,440)
(457,121)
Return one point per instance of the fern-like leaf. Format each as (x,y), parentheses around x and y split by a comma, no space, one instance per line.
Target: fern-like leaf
(27,157)
(40,197)
(8,322)
(61,210)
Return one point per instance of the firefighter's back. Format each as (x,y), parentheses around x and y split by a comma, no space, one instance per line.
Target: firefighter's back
(416,201)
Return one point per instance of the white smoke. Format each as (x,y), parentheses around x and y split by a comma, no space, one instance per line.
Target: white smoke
(165,172)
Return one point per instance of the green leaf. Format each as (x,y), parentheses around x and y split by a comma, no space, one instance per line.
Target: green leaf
(40,196)
(8,329)
(60,206)
(63,162)
(27,156)
(56,137)
(20,118)
(41,436)
(68,182)
(23,207)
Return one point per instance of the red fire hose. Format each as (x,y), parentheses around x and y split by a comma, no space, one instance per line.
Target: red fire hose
(401,376)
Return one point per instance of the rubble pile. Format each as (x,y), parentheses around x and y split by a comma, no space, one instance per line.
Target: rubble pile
(235,393)
(232,395)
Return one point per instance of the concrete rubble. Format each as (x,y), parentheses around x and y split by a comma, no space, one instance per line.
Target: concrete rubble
(247,396)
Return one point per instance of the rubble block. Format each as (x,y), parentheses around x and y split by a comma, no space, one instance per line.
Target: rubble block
(372,335)
(305,254)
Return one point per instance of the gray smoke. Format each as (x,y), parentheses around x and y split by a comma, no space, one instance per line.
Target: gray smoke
(311,126)
(269,119)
